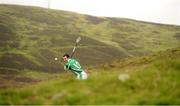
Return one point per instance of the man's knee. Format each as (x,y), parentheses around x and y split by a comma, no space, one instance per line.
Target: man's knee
(82,76)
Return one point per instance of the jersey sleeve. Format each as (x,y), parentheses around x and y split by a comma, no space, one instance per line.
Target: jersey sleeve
(67,66)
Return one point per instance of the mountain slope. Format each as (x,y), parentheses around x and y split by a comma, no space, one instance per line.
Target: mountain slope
(147,80)
(31,37)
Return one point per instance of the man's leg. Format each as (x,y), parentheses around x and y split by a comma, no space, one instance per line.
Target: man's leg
(78,76)
(84,75)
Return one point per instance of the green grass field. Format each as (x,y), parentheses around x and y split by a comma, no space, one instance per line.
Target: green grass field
(151,80)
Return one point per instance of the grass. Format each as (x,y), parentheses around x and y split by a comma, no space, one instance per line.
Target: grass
(35,30)
(152,80)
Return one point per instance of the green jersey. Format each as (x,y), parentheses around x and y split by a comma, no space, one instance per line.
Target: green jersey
(73,66)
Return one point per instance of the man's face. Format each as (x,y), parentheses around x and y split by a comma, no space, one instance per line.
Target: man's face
(65,58)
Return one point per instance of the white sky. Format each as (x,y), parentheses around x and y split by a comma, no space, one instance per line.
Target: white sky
(160,11)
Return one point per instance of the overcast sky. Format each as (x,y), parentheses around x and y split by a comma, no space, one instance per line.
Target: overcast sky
(160,11)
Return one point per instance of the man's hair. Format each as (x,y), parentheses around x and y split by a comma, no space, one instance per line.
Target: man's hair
(67,55)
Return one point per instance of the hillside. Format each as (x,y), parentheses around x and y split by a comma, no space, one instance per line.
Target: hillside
(147,80)
(31,37)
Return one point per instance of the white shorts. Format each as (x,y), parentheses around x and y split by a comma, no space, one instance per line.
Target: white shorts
(82,76)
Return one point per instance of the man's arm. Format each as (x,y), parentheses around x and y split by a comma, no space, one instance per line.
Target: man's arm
(67,66)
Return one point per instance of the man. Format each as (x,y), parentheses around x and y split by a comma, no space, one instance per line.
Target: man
(74,66)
